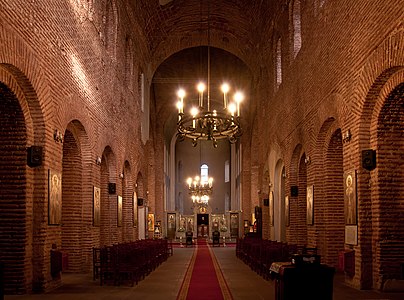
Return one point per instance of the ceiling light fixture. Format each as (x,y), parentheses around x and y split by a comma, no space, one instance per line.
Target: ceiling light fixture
(204,123)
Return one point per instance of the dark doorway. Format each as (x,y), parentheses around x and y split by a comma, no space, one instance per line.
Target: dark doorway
(203,225)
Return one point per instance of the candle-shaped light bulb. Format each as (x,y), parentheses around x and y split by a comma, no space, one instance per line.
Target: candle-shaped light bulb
(225,89)
(210,182)
(181,95)
(232,108)
(238,98)
(180,106)
(201,88)
(189,181)
(194,112)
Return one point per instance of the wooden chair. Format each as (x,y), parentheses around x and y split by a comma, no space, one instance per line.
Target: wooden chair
(188,238)
(169,247)
(216,238)
(96,262)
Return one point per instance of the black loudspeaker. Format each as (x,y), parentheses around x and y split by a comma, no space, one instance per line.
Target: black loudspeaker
(112,188)
(369,159)
(266,202)
(34,156)
(139,202)
(294,190)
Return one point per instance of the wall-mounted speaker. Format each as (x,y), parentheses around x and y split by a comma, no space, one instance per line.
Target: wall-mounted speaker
(369,159)
(294,191)
(112,188)
(139,202)
(266,202)
(34,156)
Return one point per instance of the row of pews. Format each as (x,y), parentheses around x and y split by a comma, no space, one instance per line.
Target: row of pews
(129,262)
(259,253)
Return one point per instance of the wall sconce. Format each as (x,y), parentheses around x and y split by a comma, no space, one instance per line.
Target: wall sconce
(346,137)
(98,161)
(307,160)
(58,136)
(121,176)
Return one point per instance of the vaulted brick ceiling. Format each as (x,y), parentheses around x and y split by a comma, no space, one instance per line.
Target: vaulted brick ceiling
(172,26)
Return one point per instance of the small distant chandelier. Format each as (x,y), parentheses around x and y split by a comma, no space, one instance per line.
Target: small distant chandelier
(203,123)
(200,190)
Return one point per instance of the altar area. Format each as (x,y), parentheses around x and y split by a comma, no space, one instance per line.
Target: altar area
(202,223)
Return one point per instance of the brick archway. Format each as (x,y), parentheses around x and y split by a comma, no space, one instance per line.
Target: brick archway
(13,184)
(387,196)
(334,199)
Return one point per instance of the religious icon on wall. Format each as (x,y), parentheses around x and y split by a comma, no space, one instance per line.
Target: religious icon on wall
(234,221)
(271,208)
(134,204)
(55,198)
(171,225)
(183,224)
(119,218)
(287,223)
(150,222)
(350,197)
(310,208)
(96,205)
(190,223)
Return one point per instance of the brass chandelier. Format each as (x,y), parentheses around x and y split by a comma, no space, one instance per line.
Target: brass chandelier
(204,123)
(200,190)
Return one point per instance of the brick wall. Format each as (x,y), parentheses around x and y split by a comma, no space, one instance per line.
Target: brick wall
(13,181)
(66,64)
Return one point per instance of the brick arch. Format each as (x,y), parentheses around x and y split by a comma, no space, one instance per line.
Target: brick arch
(33,180)
(376,79)
(318,165)
(371,108)
(128,203)
(279,200)
(171,46)
(301,209)
(72,204)
(108,222)
(293,202)
(76,205)
(141,194)
(13,206)
(333,198)
(388,177)
(264,180)
(297,230)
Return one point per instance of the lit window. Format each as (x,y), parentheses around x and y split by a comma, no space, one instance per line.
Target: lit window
(297,28)
(226,171)
(204,173)
(278,63)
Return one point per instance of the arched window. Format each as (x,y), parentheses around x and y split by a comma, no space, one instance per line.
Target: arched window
(278,63)
(204,173)
(297,28)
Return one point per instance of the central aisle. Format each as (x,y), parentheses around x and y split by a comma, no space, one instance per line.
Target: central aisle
(204,279)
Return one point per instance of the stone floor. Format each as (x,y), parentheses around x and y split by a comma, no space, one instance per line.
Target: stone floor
(165,282)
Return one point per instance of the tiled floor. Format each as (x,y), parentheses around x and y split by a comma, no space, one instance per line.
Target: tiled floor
(165,282)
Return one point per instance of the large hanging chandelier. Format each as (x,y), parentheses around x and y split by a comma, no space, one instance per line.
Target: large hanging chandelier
(200,189)
(204,123)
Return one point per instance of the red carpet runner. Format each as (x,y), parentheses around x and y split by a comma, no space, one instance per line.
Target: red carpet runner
(203,279)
